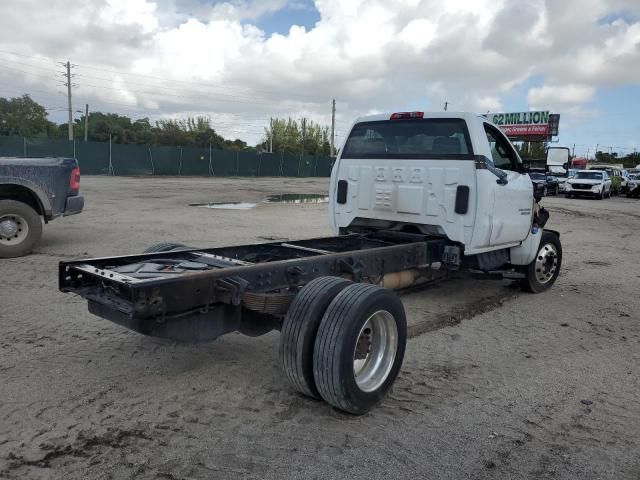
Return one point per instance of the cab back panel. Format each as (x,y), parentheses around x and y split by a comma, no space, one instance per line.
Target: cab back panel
(411,191)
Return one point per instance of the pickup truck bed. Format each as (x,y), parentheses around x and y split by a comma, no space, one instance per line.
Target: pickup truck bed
(48,179)
(32,190)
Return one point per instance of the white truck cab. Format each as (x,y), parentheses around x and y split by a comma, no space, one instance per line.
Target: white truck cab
(443,173)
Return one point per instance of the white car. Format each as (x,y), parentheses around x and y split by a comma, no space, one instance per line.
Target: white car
(562,180)
(633,185)
(589,183)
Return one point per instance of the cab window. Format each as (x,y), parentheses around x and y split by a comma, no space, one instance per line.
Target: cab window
(502,153)
(433,138)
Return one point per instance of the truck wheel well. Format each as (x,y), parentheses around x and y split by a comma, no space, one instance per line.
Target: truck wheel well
(21,194)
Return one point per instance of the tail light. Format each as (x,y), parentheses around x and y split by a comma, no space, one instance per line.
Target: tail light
(403,115)
(74,179)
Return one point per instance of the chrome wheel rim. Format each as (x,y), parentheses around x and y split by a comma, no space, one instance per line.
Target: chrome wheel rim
(546,263)
(375,351)
(13,229)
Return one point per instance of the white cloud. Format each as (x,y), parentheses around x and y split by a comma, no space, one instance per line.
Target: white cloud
(488,104)
(371,55)
(560,95)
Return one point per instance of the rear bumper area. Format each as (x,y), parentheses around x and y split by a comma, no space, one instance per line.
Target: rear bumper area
(74,205)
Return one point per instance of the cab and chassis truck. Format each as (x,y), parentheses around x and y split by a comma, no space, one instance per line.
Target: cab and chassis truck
(414,196)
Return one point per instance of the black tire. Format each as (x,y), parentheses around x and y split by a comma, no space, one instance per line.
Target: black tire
(601,195)
(568,195)
(557,190)
(545,191)
(548,244)
(18,215)
(338,337)
(165,247)
(299,330)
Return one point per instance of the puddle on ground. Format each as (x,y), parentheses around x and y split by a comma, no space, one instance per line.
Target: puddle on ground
(288,198)
(226,206)
(298,198)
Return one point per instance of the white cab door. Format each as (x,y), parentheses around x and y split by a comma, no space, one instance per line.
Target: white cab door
(512,194)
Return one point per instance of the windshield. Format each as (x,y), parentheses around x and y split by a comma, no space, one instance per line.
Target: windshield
(537,176)
(588,176)
(428,138)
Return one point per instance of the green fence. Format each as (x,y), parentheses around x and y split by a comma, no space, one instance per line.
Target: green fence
(106,158)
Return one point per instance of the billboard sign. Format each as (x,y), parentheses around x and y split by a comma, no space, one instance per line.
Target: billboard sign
(523,124)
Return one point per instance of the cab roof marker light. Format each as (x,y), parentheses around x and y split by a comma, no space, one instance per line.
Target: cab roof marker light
(403,115)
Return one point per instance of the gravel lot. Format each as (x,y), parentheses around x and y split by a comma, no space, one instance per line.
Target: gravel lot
(503,385)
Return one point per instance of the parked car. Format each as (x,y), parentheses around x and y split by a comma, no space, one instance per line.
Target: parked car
(589,183)
(563,177)
(633,185)
(618,181)
(544,184)
(33,190)
(624,181)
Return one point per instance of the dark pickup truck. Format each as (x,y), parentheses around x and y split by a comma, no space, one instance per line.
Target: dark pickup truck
(33,190)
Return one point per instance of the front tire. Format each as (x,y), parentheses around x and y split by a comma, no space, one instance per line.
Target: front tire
(543,271)
(359,347)
(20,228)
(299,330)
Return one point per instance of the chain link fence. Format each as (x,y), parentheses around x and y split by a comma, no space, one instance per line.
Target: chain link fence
(107,158)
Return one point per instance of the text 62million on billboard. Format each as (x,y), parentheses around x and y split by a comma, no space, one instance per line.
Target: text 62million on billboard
(522,123)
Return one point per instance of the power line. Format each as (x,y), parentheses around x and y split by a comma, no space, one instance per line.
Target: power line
(49,77)
(26,56)
(163,94)
(185,82)
(317,97)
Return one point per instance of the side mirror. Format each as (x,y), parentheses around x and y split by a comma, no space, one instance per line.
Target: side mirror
(558,157)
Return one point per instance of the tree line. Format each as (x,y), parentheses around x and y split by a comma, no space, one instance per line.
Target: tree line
(537,151)
(22,116)
(291,136)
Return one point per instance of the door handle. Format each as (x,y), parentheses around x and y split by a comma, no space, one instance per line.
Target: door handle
(341,196)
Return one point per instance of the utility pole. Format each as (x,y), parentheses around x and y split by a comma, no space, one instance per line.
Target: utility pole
(446,105)
(271,135)
(69,100)
(333,127)
(86,121)
(573,151)
(304,126)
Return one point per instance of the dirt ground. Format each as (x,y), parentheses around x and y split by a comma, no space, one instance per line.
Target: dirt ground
(495,383)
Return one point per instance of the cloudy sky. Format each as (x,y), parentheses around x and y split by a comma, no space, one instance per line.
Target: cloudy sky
(242,61)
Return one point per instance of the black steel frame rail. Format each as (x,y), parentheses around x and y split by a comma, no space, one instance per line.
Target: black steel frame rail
(146,298)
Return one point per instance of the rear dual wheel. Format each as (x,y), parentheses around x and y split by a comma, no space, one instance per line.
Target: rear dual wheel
(300,328)
(358,336)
